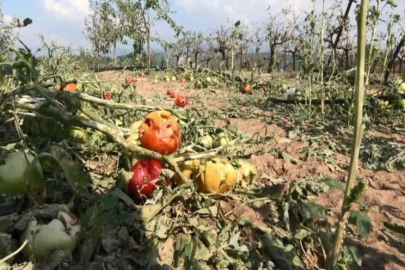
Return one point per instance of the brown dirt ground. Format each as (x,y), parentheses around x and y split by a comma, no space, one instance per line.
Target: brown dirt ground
(384,195)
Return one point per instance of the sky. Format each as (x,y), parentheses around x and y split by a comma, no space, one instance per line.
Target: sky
(63,20)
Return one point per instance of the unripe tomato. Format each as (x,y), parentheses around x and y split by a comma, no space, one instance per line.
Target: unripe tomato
(190,170)
(181,101)
(160,132)
(218,176)
(145,178)
(12,173)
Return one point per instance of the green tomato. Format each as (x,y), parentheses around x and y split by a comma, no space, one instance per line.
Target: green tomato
(12,173)
(247,172)
(174,78)
(399,103)
(206,142)
(61,234)
(78,135)
(401,88)
(208,79)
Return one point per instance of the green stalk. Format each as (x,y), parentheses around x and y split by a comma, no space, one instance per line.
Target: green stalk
(322,68)
(358,131)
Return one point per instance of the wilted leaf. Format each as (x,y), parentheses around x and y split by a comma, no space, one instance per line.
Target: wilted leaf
(332,183)
(363,223)
(310,210)
(284,257)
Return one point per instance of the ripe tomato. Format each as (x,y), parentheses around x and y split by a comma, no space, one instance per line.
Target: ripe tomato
(160,132)
(70,87)
(145,178)
(181,101)
(172,93)
(183,80)
(246,88)
(130,80)
(107,96)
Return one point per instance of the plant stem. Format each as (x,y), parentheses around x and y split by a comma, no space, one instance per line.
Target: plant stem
(358,131)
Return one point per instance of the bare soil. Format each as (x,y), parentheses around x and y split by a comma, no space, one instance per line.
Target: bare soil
(385,192)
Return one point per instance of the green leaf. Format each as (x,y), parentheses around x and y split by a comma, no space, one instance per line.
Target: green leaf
(33,175)
(27,21)
(357,192)
(396,228)
(363,223)
(310,210)
(332,183)
(355,255)
(77,179)
(284,257)
(122,196)
(392,3)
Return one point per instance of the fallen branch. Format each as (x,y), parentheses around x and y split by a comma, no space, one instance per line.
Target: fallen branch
(332,101)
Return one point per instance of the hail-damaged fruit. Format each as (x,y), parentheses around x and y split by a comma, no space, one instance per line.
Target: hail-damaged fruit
(60,235)
(12,173)
(181,101)
(108,96)
(206,141)
(130,80)
(246,88)
(190,170)
(172,93)
(218,176)
(70,87)
(247,172)
(160,132)
(145,178)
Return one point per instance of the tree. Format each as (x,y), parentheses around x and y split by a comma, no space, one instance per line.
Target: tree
(95,31)
(5,33)
(137,17)
(221,37)
(197,48)
(277,33)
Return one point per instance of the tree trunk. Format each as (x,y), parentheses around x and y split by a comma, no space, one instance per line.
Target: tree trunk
(400,66)
(272,57)
(394,57)
(285,60)
(195,61)
(115,54)
(293,60)
(148,29)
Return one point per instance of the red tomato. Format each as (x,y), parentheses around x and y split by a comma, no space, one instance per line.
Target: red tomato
(160,132)
(145,178)
(107,96)
(181,101)
(172,93)
(70,87)
(130,80)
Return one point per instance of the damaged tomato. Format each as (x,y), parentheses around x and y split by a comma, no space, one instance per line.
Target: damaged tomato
(181,101)
(108,96)
(145,178)
(160,132)
(70,87)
